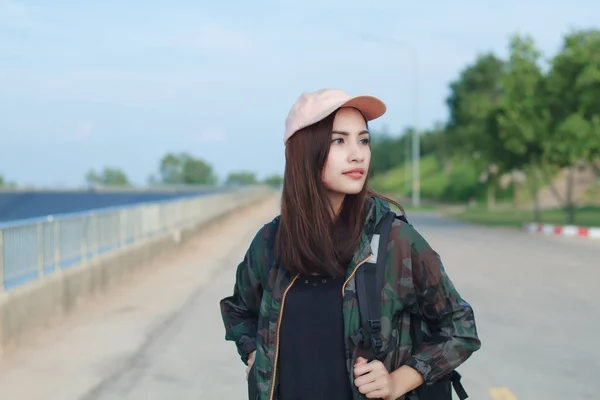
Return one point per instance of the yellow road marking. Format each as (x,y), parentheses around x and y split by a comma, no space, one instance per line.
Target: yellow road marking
(502,393)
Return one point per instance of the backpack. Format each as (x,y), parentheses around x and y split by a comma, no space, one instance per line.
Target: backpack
(369,281)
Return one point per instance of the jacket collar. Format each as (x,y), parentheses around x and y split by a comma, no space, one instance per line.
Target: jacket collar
(375,209)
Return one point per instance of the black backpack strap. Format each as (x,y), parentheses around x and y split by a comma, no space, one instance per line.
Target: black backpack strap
(458,387)
(369,282)
(271,240)
(273,233)
(441,389)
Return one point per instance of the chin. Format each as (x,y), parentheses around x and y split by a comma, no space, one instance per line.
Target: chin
(349,189)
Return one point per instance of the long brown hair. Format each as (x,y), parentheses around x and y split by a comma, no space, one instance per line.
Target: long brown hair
(308,239)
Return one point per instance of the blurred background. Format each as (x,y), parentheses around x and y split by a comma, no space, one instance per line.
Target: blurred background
(127,129)
(501,95)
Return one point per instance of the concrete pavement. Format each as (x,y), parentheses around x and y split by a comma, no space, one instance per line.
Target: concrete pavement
(161,337)
(158,336)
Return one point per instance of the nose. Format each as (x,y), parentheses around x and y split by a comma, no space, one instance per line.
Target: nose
(357,153)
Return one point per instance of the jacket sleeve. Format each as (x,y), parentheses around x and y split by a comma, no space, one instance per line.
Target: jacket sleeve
(450,319)
(240,310)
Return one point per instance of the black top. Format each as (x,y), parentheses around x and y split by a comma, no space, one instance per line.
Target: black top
(312,362)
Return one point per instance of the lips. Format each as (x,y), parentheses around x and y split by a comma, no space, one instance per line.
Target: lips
(356,173)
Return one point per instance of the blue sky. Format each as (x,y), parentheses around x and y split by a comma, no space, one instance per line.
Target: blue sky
(88,84)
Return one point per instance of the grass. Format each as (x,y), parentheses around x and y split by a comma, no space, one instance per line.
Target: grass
(584,216)
(455,182)
(460,182)
(421,208)
(394,180)
(409,209)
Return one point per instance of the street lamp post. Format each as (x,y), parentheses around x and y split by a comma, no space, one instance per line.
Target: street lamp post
(416,148)
(416,143)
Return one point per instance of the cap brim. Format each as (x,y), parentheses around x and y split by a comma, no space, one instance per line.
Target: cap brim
(370,106)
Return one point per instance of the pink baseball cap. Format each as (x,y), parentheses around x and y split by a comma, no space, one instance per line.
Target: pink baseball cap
(312,107)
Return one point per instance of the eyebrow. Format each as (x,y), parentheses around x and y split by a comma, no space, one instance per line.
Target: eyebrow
(344,133)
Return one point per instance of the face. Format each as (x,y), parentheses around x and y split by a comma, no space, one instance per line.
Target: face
(349,156)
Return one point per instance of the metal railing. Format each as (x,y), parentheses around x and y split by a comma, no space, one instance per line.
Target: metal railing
(33,249)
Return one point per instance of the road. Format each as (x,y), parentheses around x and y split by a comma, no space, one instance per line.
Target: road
(161,335)
(536,305)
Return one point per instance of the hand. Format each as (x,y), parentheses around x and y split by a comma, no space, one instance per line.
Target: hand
(250,363)
(373,379)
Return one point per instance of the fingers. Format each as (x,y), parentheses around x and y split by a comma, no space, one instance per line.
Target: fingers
(249,367)
(378,394)
(365,373)
(361,360)
(371,379)
(368,377)
(365,380)
(251,358)
(375,387)
(363,368)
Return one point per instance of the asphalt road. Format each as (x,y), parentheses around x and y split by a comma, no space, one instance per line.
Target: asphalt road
(536,302)
(535,299)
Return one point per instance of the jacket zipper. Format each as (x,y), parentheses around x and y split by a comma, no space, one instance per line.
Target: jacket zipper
(281,314)
(352,274)
(277,337)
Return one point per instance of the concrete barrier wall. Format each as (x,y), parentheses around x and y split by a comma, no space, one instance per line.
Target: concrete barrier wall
(24,310)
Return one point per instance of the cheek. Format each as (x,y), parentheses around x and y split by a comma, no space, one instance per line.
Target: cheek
(333,166)
(368,157)
(335,160)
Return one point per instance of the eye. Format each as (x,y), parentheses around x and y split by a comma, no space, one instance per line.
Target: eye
(337,139)
(365,141)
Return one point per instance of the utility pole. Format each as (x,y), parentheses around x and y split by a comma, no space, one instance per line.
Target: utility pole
(416,149)
(407,178)
(416,144)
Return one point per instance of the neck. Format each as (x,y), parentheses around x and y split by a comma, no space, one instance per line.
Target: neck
(336,200)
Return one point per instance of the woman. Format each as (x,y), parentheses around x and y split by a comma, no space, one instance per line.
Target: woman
(294,309)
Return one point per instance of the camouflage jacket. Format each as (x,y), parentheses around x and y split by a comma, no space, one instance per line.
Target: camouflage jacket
(415,282)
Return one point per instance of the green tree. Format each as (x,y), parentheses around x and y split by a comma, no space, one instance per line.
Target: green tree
(523,117)
(386,151)
(110,176)
(435,141)
(171,169)
(5,183)
(152,180)
(472,97)
(573,85)
(184,169)
(241,178)
(472,103)
(274,180)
